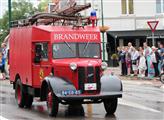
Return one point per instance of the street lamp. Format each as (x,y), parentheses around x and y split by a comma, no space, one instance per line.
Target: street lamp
(9,8)
(103,37)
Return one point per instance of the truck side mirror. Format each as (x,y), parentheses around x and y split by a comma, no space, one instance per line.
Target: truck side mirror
(38,53)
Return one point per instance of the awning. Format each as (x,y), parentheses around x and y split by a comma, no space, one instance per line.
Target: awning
(136,34)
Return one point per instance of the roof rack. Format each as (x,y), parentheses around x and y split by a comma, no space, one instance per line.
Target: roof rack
(67,16)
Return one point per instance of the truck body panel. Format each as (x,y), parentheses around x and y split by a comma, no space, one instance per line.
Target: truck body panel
(22,47)
(20,54)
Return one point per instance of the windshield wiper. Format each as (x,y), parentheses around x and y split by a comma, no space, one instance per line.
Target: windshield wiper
(68,46)
(86,47)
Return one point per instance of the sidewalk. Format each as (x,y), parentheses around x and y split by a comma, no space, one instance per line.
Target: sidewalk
(144,81)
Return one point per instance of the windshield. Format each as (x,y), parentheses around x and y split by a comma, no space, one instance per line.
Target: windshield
(76,50)
(64,50)
(89,50)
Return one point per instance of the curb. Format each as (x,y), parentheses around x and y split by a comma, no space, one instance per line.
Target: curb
(150,83)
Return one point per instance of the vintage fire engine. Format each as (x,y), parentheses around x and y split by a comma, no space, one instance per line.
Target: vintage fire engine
(57,57)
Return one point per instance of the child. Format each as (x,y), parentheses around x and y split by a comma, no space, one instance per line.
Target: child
(2,66)
(142,65)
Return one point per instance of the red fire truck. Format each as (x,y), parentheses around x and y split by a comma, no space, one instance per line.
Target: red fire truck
(60,64)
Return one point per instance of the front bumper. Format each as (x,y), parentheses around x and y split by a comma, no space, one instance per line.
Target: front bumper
(91,97)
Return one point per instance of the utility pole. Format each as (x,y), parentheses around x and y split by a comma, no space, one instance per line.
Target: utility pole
(9,8)
(103,37)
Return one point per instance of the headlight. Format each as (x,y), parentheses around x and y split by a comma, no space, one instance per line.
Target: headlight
(104,65)
(73,66)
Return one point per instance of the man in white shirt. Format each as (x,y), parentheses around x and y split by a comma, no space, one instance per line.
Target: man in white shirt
(130,47)
(134,58)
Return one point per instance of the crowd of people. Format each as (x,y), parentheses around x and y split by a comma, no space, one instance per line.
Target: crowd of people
(3,58)
(142,62)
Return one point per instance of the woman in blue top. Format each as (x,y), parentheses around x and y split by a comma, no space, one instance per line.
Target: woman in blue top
(2,66)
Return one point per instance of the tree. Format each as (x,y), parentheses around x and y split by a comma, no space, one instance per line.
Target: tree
(20,10)
(43,5)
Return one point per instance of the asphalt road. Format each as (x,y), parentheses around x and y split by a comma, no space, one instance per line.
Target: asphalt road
(140,102)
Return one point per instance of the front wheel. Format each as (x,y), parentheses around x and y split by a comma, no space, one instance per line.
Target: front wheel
(162,78)
(52,104)
(110,105)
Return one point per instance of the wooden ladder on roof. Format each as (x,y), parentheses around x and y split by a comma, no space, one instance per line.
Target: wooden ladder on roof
(67,16)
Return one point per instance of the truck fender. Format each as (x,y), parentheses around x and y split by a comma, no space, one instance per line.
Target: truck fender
(56,84)
(111,83)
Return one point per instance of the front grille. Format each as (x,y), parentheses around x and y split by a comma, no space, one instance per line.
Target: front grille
(88,75)
(81,78)
(97,71)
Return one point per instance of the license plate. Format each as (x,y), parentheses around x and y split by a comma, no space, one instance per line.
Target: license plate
(90,86)
(71,92)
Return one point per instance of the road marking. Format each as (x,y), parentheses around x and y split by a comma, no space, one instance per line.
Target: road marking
(2,118)
(136,105)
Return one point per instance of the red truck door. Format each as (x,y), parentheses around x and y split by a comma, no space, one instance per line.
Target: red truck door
(41,62)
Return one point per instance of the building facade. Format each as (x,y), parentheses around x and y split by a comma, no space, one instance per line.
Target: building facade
(127,20)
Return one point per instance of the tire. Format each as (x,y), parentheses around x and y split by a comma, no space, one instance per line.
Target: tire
(29,101)
(52,104)
(110,105)
(19,94)
(162,78)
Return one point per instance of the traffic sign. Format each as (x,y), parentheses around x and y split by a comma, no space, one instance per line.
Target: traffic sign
(153,25)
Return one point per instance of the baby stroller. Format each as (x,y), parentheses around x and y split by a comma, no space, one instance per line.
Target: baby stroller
(162,73)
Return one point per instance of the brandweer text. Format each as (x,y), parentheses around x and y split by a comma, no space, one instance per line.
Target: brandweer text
(75,36)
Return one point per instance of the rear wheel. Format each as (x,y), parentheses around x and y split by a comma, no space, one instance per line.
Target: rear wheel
(110,105)
(29,100)
(52,104)
(162,78)
(19,94)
